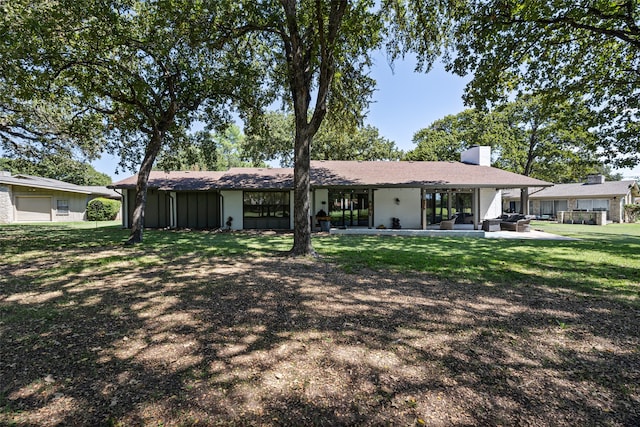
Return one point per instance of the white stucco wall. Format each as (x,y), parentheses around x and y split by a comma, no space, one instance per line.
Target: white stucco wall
(407,210)
(6,205)
(490,203)
(232,207)
(320,195)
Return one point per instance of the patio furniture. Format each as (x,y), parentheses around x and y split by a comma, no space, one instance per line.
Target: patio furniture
(520,226)
(491,224)
(448,224)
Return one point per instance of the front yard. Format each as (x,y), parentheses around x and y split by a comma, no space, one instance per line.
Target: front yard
(203,328)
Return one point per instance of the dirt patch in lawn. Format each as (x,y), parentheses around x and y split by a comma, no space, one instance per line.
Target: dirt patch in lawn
(272,341)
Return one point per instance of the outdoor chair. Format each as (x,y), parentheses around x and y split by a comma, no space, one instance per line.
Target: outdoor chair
(447,224)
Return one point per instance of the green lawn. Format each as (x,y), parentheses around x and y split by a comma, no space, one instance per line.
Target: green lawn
(605,259)
(199,328)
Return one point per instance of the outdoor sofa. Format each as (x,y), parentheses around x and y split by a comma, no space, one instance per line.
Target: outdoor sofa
(517,223)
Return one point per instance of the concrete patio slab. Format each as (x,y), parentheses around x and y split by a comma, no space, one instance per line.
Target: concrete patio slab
(531,235)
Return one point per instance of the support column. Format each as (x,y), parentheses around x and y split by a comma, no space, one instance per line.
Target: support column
(173,201)
(423,209)
(524,201)
(125,208)
(475,200)
(371,222)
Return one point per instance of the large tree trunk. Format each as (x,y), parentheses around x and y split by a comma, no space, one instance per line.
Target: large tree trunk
(137,221)
(302,227)
(299,53)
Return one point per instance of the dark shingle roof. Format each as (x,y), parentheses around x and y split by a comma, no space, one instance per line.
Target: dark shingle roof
(176,180)
(608,188)
(257,179)
(52,184)
(343,174)
(415,174)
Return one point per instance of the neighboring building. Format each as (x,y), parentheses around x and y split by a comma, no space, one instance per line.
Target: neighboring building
(25,198)
(596,194)
(352,193)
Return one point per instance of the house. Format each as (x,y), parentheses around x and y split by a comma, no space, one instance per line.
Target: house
(26,198)
(411,195)
(595,195)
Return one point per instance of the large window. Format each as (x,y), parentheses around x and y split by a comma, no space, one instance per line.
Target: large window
(551,207)
(266,209)
(349,208)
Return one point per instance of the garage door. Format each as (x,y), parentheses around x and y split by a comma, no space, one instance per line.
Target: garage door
(32,209)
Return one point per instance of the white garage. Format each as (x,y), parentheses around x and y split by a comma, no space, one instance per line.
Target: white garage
(26,198)
(33,209)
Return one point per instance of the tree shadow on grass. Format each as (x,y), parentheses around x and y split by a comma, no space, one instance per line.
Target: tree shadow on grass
(188,338)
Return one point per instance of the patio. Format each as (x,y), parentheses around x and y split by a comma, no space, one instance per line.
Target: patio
(461,230)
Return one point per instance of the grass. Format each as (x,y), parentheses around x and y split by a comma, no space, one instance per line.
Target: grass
(605,259)
(218,327)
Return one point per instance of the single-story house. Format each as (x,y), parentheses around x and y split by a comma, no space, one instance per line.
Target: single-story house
(412,195)
(26,198)
(595,195)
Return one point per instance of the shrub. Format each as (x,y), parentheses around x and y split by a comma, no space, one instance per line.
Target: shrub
(633,212)
(102,209)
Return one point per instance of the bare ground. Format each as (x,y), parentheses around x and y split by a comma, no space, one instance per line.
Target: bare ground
(273,341)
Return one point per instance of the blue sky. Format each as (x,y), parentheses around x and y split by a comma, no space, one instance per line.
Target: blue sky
(404,102)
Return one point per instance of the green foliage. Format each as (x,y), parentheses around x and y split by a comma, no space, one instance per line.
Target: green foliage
(333,141)
(532,136)
(211,150)
(39,116)
(57,167)
(632,212)
(446,138)
(148,70)
(102,209)
(582,51)
(319,55)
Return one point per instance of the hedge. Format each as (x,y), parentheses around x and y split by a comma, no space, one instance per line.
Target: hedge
(633,212)
(102,209)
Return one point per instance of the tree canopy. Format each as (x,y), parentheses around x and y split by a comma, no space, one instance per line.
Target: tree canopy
(148,70)
(333,141)
(532,136)
(38,116)
(212,150)
(142,72)
(57,167)
(320,54)
(579,51)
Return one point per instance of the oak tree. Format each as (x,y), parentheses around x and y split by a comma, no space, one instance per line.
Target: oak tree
(148,69)
(532,136)
(584,51)
(320,52)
